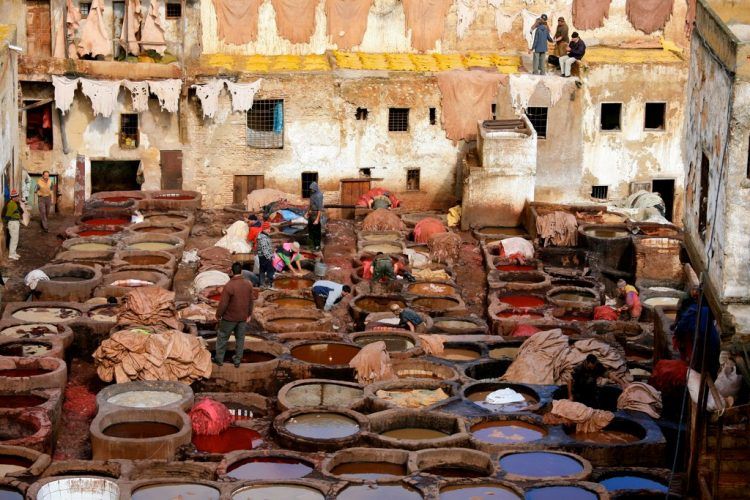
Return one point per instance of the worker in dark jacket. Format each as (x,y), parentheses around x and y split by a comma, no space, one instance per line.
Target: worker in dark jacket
(233,314)
(539,45)
(576,51)
(582,387)
(314,216)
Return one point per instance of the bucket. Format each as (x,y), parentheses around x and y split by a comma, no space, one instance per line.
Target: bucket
(320,269)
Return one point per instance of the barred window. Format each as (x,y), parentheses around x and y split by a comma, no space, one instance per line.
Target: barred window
(84,8)
(265,124)
(538,118)
(398,119)
(174,10)
(307,179)
(129,130)
(599,192)
(412,179)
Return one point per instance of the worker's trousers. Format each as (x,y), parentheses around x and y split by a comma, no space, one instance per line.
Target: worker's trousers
(14,228)
(539,63)
(45,205)
(222,339)
(566,64)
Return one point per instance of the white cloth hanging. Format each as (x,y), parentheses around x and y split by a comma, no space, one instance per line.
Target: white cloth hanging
(503,20)
(168,93)
(522,87)
(103,95)
(243,94)
(152,33)
(64,91)
(529,18)
(208,93)
(139,94)
(467,11)
(131,25)
(95,33)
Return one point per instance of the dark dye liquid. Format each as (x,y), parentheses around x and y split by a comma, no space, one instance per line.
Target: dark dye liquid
(268,468)
(146,260)
(378,492)
(480,492)
(176,197)
(25,349)
(67,279)
(7,493)
(374,304)
(417,433)
(23,372)
(14,460)
(455,471)
(606,233)
(522,301)
(507,432)
(515,268)
(325,354)
(393,343)
(369,470)
(140,430)
(250,356)
(540,464)
(436,304)
(234,438)
(560,492)
(184,491)
(632,483)
(20,401)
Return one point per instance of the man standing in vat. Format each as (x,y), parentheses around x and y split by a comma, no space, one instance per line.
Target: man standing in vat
(233,313)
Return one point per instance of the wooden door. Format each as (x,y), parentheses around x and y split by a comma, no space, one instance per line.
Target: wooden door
(351,190)
(171,169)
(244,185)
(38,31)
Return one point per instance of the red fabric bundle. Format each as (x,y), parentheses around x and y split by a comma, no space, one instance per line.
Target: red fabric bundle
(668,375)
(426,228)
(605,313)
(525,331)
(210,418)
(364,200)
(366,269)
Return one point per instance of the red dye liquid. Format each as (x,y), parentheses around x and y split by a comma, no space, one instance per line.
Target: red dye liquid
(107,222)
(522,301)
(20,401)
(234,438)
(519,315)
(515,268)
(180,197)
(23,372)
(118,199)
(13,460)
(216,297)
(96,232)
(571,317)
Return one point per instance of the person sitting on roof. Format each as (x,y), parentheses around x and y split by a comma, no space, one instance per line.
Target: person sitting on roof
(288,256)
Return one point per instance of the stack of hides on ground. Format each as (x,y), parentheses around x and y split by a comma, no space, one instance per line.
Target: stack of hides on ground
(382,220)
(426,228)
(209,418)
(149,306)
(262,197)
(444,247)
(215,258)
(558,229)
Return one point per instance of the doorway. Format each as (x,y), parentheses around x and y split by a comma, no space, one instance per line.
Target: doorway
(38,28)
(32,200)
(351,190)
(244,185)
(665,188)
(114,176)
(171,169)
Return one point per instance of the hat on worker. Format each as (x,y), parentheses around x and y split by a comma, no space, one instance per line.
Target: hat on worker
(13,193)
(544,17)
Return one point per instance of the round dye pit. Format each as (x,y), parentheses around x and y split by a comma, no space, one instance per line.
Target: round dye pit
(435,303)
(162,229)
(269,468)
(503,352)
(145,260)
(151,245)
(487,369)
(369,470)
(393,343)
(522,301)
(80,488)
(455,471)
(455,324)
(380,237)
(29,330)
(322,426)
(166,219)
(507,432)
(232,439)
(96,232)
(119,199)
(662,301)
(23,372)
(520,315)
(515,268)
(105,314)
(274,491)
(321,394)
(12,463)
(540,464)
(431,289)
(89,247)
(560,492)
(20,401)
(382,247)
(289,323)
(371,304)
(25,349)
(479,392)
(416,433)
(619,431)
(46,314)
(478,492)
(102,221)
(293,303)
(292,283)
(176,491)
(633,483)
(378,492)
(249,356)
(582,297)
(12,428)
(330,354)
(460,354)
(413,398)
(144,399)
(140,430)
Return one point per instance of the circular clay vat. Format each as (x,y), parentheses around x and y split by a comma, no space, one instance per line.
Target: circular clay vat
(104,314)
(574,298)
(14,400)
(320,392)
(68,282)
(398,344)
(368,464)
(313,429)
(90,259)
(543,465)
(253,353)
(175,490)
(290,490)
(105,218)
(494,490)
(363,305)
(460,352)
(409,393)
(90,244)
(87,231)
(620,431)
(145,394)
(138,258)
(46,313)
(561,490)
(40,331)
(452,463)
(378,492)
(31,348)
(173,200)
(154,243)
(459,325)
(521,301)
(386,247)
(628,481)
(380,236)
(146,434)
(487,369)
(477,394)
(259,465)
(607,243)
(503,352)
(13,460)
(118,197)
(289,300)
(185,218)
(325,353)
(415,430)
(26,374)
(514,280)
(178,230)
(75,488)
(431,289)
(234,438)
(294,320)
(492,233)
(122,282)
(438,306)
(513,431)
(292,283)
(417,368)
(23,427)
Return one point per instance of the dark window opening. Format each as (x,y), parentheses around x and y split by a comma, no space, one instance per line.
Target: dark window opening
(361,114)
(748,159)
(433,116)
(703,206)
(538,118)
(84,8)
(412,179)
(654,116)
(665,188)
(599,192)
(493,109)
(129,130)
(39,126)
(114,176)
(365,172)
(307,179)
(610,119)
(174,10)
(265,124)
(398,119)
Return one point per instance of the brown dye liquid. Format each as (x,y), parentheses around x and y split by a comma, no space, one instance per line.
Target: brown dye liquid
(436,304)
(605,437)
(369,470)
(606,233)
(374,304)
(378,492)
(151,245)
(457,354)
(522,301)
(67,279)
(455,324)
(20,401)
(479,397)
(574,297)
(291,321)
(250,356)
(23,372)
(184,491)
(433,289)
(392,343)
(479,492)
(15,460)
(418,433)
(157,229)
(165,219)
(325,354)
(381,237)
(145,260)
(268,468)
(455,471)
(293,302)
(507,432)
(504,352)
(560,492)
(384,248)
(322,426)
(292,283)
(140,430)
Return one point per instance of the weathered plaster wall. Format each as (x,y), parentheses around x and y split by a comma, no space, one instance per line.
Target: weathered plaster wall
(8,103)
(322,135)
